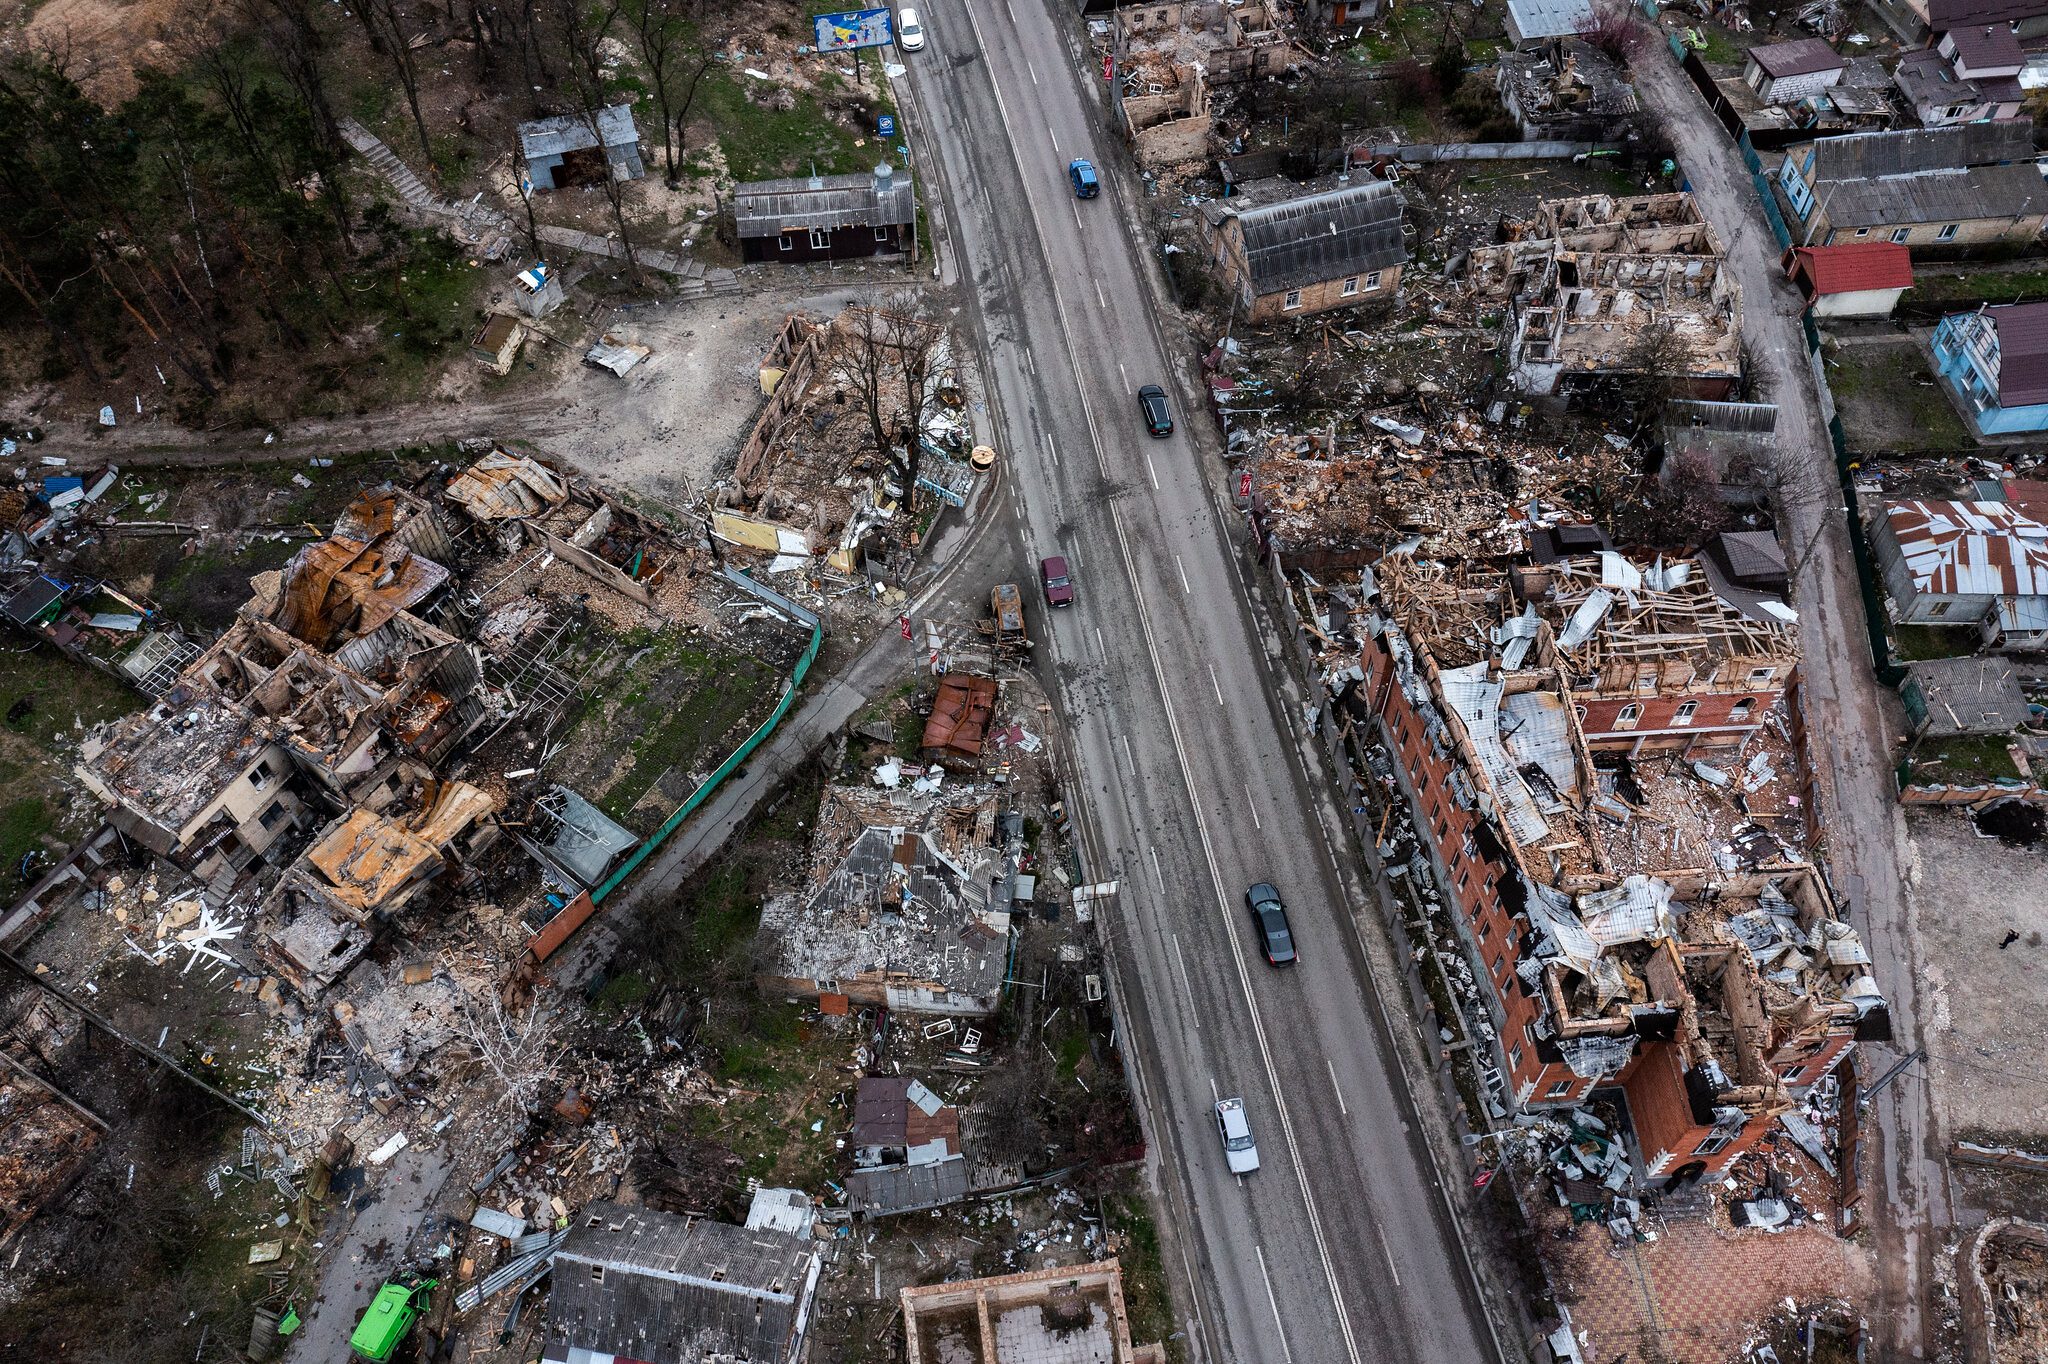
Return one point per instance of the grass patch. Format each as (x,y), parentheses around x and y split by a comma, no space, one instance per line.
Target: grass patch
(1889,400)
(1145,1293)
(1991,286)
(765,143)
(1963,762)
(1913,643)
(787,1074)
(23,823)
(1721,45)
(204,590)
(687,720)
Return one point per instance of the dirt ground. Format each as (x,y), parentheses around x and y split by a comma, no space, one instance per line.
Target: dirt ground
(1889,400)
(1983,1003)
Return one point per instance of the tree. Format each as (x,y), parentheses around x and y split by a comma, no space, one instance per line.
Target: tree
(390,34)
(586,27)
(1696,511)
(677,54)
(890,356)
(516,1053)
(1616,31)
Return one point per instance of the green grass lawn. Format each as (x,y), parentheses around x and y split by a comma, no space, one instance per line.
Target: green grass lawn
(1962,762)
(1915,642)
(689,712)
(1889,401)
(763,143)
(1997,286)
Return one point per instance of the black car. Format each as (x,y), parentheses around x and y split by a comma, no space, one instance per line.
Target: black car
(1269,917)
(1152,402)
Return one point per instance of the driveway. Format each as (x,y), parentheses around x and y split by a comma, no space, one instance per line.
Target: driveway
(1846,710)
(363,1246)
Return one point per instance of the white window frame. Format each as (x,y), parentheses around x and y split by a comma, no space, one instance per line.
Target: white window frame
(1739,713)
(1714,1145)
(1558,1089)
(1948,232)
(1629,716)
(1762,677)
(1862,231)
(821,239)
(783,242)
(1372,280)
(1350,285)
(1900,234)
(881,234)
(1686,710)
(1292,301)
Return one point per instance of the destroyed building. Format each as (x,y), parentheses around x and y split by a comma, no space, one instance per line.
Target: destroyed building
(906,1149)
(571,149)
(635,1284)
(1599,287)
(1167,57)
(1981,565)
(900,907)
(1635,921)
(1565,89)
(1062,1314)
(808,480)
(1280,248)
(45,1140)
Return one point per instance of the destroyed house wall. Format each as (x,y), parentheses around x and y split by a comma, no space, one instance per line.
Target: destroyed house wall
(797,350)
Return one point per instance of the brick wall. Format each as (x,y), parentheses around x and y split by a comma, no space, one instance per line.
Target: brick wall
(1716,717)
(1317,298)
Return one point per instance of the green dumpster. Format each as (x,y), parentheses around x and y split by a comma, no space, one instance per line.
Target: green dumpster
(388,1321)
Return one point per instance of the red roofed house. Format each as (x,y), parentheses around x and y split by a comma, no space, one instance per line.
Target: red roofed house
(1967,563)
(1855,279)
(1996,361)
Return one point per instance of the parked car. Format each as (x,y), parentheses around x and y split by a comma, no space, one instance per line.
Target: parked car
(1152,402)
(909,32)
(1239,1150)
(1269,917)
(1082,173)
(1058,583)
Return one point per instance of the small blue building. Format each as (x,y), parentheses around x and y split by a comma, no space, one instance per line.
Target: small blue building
(1996,361)
(570,149)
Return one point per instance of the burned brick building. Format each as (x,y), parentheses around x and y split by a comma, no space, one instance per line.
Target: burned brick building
(1641,923)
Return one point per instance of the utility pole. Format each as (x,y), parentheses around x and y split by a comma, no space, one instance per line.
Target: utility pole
(135,1044)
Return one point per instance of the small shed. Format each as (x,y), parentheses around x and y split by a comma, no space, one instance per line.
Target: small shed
(827,217)
(1784,73)
(564,150)
(497,345)
(1853,279)
(1978,695)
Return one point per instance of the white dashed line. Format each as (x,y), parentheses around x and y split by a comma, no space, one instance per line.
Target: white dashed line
(1032,69)
(1251,807)
(1101,652)
(1279,1324)
(1157,874)
(1341,1108)
(1189,591)
(1186,988)
(1150,469)
(1055,139)
(1101,297)
(1216,684)
(1052,450)
(1129,761)
(1126,373)
(1389,1254)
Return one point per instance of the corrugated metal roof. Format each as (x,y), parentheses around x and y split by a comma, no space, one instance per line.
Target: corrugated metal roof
(1549,18)
(648,1285)
(1800,57)
(1953,14)
(1983,47)
(1969,170)
(768,208)
(2022,352)
(1344,231)
(572,133)
(1971,549)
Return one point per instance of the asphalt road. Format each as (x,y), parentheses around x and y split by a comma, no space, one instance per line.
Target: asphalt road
(1340,1247)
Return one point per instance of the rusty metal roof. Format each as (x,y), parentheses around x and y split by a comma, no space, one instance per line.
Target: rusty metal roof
(356,579)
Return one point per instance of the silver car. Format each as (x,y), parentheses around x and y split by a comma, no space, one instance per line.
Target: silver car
(1235,1128)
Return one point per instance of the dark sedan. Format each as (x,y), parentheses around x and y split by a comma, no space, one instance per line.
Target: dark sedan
(1269,917)
(1152,402)
(1057,581)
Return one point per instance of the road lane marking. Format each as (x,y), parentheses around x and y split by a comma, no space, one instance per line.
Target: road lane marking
(1055,139)
(1157,874)
(1332,1067)
(1120,370)
(1279,1323)
(1251,807)
(1152,471)
(1052,450)
(1216,684)
(1189,989)
(1032,69)
(1315,1221)
(1077,213)
(1129,761)
(1388,1253)
(1189,591)
(1102,652)
(1214,1092)
(1101,297)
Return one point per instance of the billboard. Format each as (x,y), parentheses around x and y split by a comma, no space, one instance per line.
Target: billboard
(854,28)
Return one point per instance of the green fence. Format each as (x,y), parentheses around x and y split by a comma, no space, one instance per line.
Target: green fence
(738,755)
(1888,671)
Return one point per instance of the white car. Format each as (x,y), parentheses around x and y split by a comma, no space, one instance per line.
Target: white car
(1235,1128)
(909,32)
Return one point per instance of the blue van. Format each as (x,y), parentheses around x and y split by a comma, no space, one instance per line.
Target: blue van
(1086,186)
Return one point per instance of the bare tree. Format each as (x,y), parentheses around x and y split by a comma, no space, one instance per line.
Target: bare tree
(1695,510)
(891,359)
(586,28)
(677,54)
(517,1053)
(1615,31)
(390,33)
